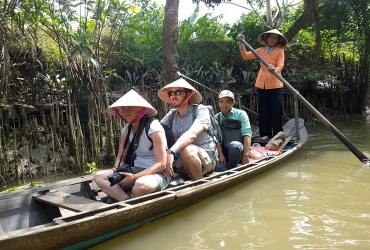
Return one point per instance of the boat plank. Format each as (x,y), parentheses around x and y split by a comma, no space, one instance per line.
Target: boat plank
(45,187)
(27,230)
(68,201)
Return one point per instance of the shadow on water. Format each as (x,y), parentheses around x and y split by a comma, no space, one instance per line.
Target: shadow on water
(317,200)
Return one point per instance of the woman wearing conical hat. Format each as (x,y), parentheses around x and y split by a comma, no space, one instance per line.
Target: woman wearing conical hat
(269,87)
(148,165)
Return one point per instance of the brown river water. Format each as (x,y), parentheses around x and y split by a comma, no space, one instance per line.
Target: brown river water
(320,199)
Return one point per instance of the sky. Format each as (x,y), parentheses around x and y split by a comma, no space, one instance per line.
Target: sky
(231,12)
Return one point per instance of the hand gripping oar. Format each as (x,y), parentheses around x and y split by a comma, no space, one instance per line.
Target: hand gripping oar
(333,129)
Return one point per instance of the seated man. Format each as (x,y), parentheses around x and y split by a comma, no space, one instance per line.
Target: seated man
(236,132)
(189,122)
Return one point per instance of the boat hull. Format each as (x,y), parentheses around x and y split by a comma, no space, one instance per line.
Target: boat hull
(53,229)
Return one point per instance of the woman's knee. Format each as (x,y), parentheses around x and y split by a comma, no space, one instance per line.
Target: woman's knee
(143,185)
(102,175)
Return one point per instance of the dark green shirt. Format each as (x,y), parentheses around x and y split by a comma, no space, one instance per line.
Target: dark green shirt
(240,115)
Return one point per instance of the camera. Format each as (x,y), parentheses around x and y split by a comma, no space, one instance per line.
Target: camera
(116,177)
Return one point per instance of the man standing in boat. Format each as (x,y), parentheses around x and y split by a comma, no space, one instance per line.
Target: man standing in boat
(236,132)
(194,149)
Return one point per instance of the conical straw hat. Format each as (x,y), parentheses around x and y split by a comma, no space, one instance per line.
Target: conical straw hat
(282,40)
(131,98)
(181,83)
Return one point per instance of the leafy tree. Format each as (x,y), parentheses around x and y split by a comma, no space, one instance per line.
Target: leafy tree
(201,29)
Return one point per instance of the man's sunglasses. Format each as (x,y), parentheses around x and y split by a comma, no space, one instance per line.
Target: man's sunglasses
(176,92)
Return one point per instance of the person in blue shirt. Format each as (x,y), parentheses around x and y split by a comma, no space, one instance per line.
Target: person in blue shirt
(235,149)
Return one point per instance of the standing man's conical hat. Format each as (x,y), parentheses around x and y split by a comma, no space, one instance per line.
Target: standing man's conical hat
(131,98)
(282,40)
(180,83)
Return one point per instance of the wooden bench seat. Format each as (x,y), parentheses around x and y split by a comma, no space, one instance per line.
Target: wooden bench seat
(68,201)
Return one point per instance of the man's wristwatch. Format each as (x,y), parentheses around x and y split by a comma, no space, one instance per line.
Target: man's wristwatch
(169,151)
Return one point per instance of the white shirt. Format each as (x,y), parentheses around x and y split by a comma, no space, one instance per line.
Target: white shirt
(145,157)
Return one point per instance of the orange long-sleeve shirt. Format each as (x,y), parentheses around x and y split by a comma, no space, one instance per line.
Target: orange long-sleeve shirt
(266,79)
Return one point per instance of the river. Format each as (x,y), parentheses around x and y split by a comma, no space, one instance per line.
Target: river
(317,200)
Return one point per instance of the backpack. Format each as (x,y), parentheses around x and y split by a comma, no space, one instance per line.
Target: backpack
(134,145)
(168,132)
(230,130)
(214,130)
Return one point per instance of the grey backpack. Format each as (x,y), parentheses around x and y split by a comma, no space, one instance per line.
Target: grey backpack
(214,130)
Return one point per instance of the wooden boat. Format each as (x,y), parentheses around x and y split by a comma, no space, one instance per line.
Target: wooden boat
(69,214)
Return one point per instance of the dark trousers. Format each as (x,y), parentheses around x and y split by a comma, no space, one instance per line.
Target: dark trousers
(270,111)
(233,154)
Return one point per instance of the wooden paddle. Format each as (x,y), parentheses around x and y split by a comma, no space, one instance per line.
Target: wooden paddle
(333,129)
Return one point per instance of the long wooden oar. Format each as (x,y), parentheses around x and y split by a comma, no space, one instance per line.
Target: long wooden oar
(333,129)
(188,78)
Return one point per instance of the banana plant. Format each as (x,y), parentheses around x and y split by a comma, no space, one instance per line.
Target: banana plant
(81,47)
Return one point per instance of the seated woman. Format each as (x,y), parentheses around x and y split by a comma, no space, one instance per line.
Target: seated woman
(147,174)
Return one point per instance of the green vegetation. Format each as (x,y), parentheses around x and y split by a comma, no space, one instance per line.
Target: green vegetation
(92,168)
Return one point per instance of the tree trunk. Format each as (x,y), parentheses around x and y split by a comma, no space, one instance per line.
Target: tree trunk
(303,20)
(169,41)
(269,14)
(316,20)
(84,102)
(364,74)
(361,8)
